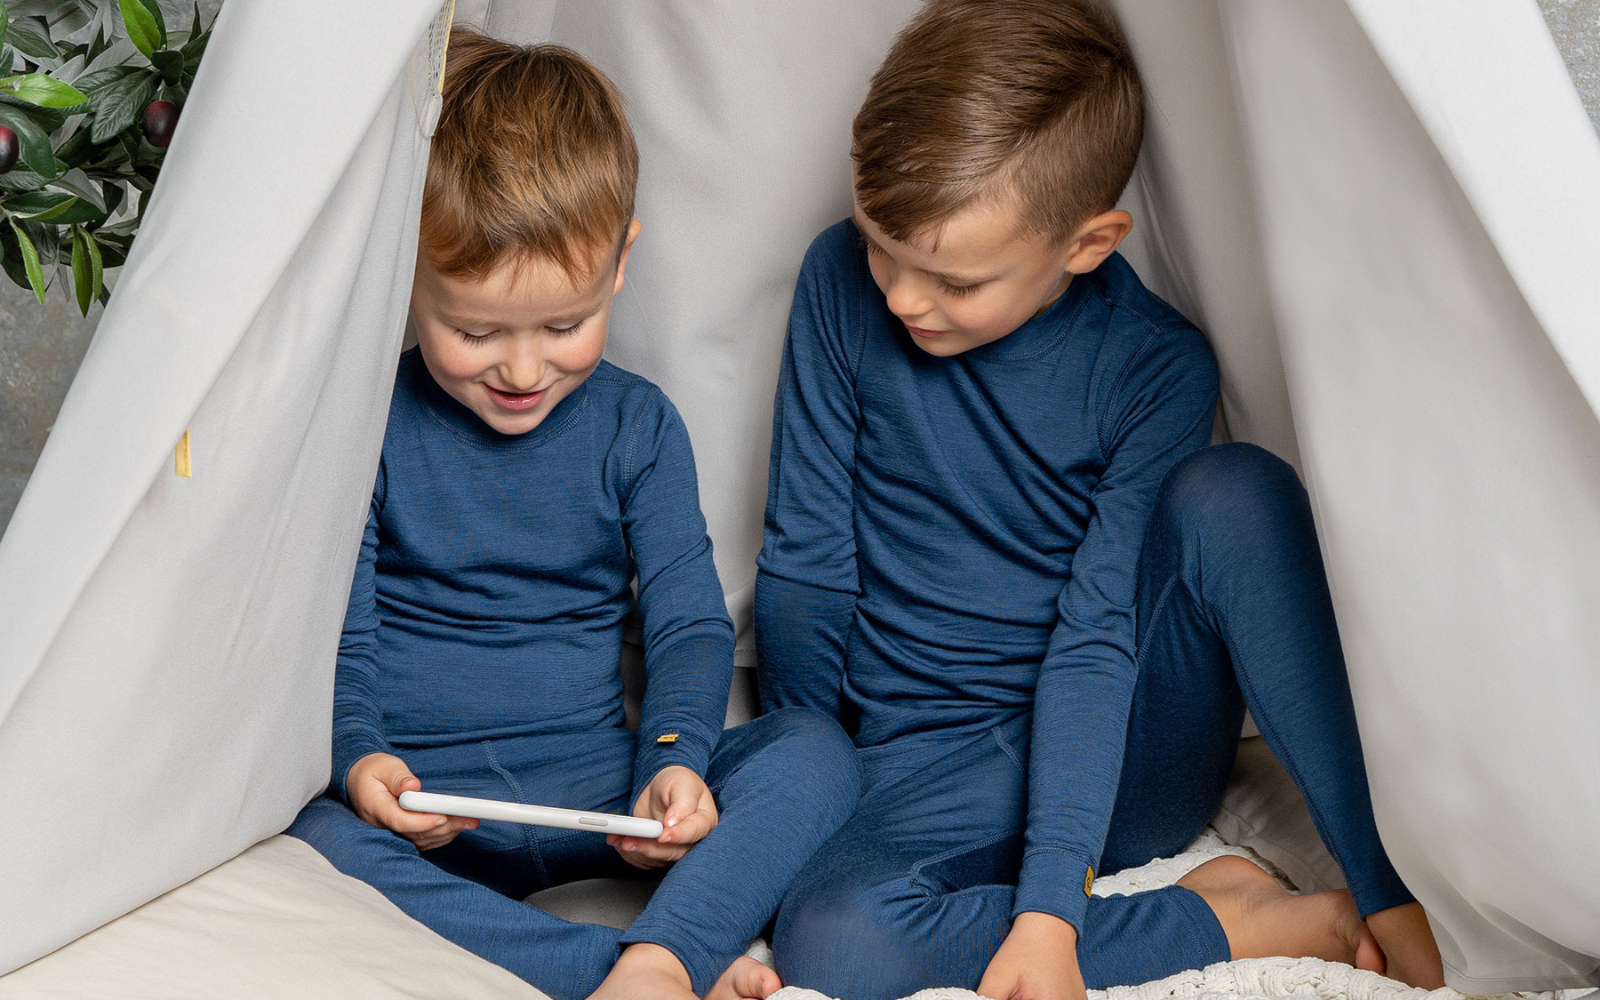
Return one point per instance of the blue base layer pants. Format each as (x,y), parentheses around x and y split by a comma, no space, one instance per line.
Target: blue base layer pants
(783,784)
(916,890)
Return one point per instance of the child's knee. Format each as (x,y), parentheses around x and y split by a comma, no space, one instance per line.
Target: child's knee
(808,740)
(850,940)
(1228,487)
(799,754)
(350,843)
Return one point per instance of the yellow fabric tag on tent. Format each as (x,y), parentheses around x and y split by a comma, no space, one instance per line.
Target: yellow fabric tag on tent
(667,738)
(180,457)
(1088,881)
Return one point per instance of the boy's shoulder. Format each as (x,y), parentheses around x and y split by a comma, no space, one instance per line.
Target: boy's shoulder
(1122,289)
(628,392)
(1143,318)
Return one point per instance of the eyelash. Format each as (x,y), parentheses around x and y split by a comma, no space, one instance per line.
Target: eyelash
(956,291)
(478,338)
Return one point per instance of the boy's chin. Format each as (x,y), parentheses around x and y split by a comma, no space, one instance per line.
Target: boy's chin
(507,422)
(951,344)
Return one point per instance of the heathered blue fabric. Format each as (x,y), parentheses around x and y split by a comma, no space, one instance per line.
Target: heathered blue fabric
(953,543)
(495,576)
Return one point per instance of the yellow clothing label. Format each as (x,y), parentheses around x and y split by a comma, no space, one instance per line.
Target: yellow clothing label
(1088,881)
(667,738)
(180,458)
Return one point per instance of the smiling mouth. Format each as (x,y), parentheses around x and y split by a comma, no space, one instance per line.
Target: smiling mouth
(917,331)
(516,401)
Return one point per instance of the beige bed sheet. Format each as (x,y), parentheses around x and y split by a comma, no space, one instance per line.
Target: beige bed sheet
(275,922)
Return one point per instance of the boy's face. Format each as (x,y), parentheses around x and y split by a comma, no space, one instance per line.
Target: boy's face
(985,277)
(513,345)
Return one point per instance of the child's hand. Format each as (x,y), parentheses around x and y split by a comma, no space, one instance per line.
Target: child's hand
(374,785)
(681,801)
(1037,961)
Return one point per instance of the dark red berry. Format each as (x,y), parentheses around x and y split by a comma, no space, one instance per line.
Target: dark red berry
(160,118)
(8,149)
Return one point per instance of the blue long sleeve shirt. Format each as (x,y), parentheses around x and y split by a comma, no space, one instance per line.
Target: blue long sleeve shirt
(953,542)
(495,575)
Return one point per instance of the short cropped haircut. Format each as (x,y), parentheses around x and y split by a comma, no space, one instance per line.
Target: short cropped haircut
(1038,99)
(532,158)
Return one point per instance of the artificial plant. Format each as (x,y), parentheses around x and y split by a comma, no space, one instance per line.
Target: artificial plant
(96,87)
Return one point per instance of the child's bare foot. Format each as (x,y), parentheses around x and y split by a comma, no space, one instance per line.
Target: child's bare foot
(646,972)
(745,979)
(1261,919)
(1408,946)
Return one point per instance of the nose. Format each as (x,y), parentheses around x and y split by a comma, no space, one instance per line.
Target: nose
(905,297)
(523,365)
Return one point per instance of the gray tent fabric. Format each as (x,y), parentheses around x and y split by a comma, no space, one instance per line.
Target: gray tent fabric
(1350,196)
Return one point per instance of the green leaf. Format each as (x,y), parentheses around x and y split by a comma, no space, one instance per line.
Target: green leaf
(28,40)
(144,28)
(170,64)
(74,212)
(193,49)
(45,91)
(38,204)
(154,7)
(117,106)
(5,20)
(100,79)
(88,269)
(48,119)
(113,194)
(34,152)
(76,150)
(30,260)
(114,248)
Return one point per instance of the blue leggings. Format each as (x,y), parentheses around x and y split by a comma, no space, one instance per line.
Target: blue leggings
(916,890)
(783,784)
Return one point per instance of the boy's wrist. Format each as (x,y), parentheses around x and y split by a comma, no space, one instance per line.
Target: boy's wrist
(349,749)
(668,749)
(1054,883)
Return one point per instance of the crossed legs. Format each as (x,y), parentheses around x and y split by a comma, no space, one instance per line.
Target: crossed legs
(916,890)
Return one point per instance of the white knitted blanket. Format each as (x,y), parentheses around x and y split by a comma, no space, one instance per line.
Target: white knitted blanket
(1248,979)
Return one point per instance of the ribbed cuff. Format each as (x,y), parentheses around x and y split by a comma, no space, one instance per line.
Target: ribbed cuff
(349,747)
(681,748)
(1054,882)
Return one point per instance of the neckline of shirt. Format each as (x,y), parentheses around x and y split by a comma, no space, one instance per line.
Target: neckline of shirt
(460,421)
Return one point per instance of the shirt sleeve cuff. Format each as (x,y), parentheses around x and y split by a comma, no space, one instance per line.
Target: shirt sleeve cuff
(1054,882)
(664,750)
(349,747)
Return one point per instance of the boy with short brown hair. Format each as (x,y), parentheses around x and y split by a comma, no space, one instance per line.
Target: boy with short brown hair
(999,549)
(524,485)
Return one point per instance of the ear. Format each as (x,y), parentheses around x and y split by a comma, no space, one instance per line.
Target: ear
(627,245)
(1097,240)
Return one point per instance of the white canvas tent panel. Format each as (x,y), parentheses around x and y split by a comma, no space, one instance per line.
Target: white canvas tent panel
(1452,457)
(184,651)
(164,673)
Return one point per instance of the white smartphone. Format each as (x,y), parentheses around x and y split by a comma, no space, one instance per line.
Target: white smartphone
(516,812)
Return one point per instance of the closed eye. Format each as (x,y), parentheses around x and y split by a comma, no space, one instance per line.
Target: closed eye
(475,338)
(958,290)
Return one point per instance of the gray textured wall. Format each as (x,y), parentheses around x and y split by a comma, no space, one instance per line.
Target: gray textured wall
(1575,24)
(40,348)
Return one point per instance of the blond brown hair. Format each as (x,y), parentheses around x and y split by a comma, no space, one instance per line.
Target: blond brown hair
(1039,99)
(533,158)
